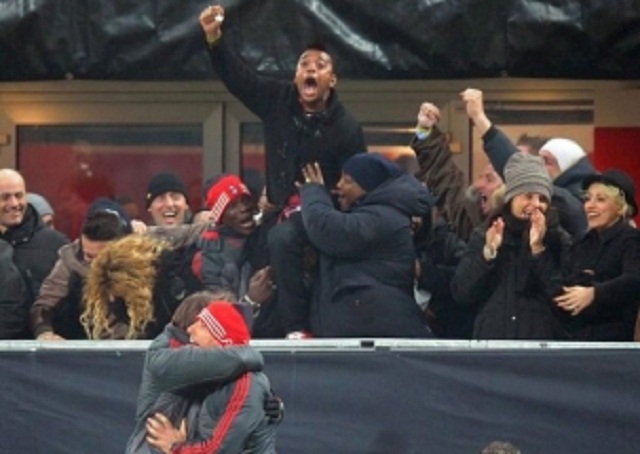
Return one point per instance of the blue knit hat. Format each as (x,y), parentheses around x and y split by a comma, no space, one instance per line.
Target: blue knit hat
(370,170)
(102,204)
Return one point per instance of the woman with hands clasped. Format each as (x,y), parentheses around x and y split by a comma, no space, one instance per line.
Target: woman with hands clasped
(513,267)
(602,290)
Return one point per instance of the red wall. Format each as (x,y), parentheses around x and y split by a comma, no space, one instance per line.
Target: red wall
(60,174)
(618,148)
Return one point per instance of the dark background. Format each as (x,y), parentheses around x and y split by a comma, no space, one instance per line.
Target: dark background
(371,39)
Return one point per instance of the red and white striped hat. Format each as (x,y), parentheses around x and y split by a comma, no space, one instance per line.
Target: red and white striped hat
(225,323)
(224,191)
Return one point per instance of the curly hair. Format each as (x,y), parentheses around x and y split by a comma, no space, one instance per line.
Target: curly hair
(124,270)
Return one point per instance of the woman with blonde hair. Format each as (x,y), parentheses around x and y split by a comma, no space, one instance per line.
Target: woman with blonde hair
(601,291)
(132,289)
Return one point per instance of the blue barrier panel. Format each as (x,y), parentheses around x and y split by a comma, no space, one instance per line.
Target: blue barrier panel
(383,397)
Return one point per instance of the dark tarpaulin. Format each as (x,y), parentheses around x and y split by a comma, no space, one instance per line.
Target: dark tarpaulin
(371,39)
(367,402)
(587,39)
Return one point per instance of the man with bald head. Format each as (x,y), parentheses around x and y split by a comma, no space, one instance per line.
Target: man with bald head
(32,247)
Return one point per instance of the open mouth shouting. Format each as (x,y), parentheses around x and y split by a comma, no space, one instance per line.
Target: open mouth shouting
(309,87)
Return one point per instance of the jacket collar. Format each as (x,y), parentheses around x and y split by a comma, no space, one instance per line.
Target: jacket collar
(23,232)
(609,233)
(322,117)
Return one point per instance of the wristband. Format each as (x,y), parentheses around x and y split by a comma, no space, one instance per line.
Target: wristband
(489,254)
(255,306)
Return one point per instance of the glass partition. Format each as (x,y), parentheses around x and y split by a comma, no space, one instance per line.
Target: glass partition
(71,165)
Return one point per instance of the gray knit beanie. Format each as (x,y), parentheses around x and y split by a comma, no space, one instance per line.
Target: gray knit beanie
(526,173)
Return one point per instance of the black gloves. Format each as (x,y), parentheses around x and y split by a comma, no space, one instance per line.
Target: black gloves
(274,408)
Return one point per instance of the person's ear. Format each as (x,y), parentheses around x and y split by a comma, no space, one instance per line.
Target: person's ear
(334,81)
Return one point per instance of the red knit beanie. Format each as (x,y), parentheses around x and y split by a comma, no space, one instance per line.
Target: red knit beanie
(222,192)
(225,323)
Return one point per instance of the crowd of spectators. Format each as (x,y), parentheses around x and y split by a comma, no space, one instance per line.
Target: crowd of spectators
(344,242)
(389,254)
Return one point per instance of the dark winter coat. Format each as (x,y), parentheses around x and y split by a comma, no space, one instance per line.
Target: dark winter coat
(367,261)
(439,252)
(610,262)
(514,292)
(292,138)
(35,251)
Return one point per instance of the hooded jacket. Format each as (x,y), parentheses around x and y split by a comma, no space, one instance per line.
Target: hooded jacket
(367,260)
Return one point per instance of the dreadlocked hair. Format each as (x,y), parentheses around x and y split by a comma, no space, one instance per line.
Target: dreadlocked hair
(125,270)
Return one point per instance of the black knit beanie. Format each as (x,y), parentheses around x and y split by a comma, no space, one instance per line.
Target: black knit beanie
(164,182)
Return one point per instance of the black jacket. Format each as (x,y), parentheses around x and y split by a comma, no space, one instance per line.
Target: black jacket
(35,251)
(514,292)
(610,262)
(292,138)
(439,252)
(367,261)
